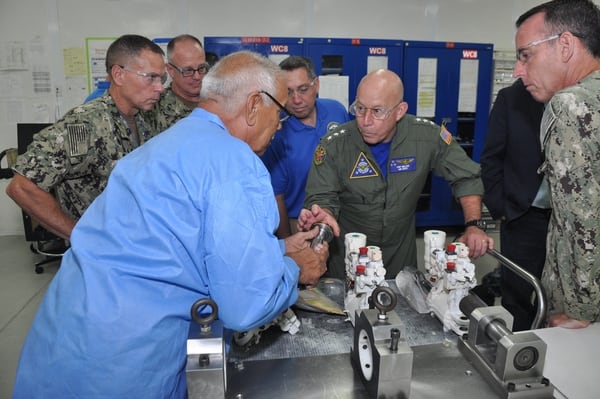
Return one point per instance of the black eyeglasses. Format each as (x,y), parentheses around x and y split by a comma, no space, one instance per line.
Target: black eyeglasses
(149,78)
(286,115)
(189,71)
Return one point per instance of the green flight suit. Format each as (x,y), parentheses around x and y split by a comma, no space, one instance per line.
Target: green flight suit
(346,179)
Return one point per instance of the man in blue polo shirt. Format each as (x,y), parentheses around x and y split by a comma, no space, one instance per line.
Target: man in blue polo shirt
(289,156)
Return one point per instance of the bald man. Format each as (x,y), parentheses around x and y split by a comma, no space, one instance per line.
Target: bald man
(368,174)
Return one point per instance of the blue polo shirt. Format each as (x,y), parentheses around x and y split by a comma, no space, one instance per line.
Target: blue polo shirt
(290,154)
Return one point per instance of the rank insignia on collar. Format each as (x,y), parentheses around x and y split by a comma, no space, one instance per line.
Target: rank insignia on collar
(320,155)
(446,135)
(363,168)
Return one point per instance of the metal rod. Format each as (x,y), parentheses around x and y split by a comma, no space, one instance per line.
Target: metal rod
(495,329)
(540,315)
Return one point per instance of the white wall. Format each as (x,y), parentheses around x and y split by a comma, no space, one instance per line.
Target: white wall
(47,27)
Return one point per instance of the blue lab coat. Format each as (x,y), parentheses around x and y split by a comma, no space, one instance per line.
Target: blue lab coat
(188,215)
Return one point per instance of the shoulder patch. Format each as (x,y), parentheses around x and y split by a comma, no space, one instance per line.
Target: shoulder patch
(331,126)
(319,155)
(445,135)
(363,168)
(78,139)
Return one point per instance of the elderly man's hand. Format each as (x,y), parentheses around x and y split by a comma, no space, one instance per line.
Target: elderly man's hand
(317,214)
(312,262)
(300,240)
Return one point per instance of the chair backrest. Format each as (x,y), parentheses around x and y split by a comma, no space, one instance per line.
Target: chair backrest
(33,230)
(10,154)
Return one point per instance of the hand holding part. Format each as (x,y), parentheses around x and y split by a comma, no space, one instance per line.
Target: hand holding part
(316,214)
(300,240)
(312,264)
(477,241)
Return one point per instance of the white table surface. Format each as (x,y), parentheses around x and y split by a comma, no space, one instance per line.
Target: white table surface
(573,361)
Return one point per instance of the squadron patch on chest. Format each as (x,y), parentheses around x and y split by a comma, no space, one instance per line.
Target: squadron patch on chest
(363,168)
(319,155)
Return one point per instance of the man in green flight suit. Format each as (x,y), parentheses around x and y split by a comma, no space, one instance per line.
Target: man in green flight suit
(368,175)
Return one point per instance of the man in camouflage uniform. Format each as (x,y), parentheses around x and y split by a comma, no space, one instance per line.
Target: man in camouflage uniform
(369,173)
(558,51)
(187,67)
(67,164)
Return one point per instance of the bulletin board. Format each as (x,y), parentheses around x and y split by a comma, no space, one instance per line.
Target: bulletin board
(95,53)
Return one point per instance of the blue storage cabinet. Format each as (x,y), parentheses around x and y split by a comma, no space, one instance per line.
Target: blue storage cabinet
(354,58)
(449,83)
(343,57)
(276,48)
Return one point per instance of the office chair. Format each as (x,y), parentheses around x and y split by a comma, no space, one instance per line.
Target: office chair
(42,241)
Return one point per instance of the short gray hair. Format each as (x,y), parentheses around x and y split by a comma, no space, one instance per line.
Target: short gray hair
(238,74)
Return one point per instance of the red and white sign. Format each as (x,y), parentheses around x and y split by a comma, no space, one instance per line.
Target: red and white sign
(469,54)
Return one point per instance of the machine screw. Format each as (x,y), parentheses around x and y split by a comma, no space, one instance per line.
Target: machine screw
(395,335)
(203,360)
(545,381)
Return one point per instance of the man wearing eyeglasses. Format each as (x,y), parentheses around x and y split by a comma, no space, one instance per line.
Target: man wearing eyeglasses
(558,60)
(68,163)
(289,156)
(186,66)
(369,173)
(166,232)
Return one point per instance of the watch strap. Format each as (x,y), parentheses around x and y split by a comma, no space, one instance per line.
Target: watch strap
(479,223)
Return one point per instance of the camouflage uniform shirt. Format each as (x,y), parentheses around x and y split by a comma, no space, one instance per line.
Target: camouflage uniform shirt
(74,156)
(571,136)
(167,111)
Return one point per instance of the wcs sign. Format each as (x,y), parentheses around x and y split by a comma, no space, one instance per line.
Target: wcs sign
(469,54)
(377,50)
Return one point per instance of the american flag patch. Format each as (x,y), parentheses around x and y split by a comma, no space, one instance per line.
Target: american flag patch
(78,139)
(446,135)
